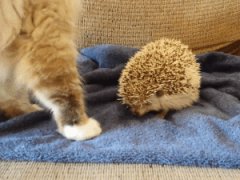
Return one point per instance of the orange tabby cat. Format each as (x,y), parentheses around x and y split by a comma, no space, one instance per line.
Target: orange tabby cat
(37,55)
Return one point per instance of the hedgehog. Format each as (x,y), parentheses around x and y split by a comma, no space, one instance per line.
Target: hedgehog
(164,75)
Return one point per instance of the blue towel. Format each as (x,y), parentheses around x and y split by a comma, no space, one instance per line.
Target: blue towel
(206,134)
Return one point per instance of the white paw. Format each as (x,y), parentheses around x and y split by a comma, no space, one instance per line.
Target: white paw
(87,131)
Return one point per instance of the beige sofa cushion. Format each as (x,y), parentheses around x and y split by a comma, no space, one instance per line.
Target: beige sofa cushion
(203,24)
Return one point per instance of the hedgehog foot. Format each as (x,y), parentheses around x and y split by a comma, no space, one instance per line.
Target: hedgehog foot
(162,114)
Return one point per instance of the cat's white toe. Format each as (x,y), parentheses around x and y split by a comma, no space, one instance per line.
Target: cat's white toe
(87,131)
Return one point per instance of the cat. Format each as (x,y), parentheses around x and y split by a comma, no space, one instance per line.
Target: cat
(38,56)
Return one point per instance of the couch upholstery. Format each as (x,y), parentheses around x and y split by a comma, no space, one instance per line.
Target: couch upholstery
(51,171)
(205,24)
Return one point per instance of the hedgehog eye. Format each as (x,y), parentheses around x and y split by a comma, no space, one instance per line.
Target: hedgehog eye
(159,93)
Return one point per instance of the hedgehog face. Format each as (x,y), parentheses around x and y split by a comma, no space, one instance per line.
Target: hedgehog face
(141,110)
(154,103)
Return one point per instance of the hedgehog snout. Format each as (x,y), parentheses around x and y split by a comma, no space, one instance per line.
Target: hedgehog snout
(143,109)
(136,111)
(153,104)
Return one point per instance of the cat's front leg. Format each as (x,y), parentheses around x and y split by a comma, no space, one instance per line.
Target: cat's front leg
(68,110)
(65,99)
(51,74)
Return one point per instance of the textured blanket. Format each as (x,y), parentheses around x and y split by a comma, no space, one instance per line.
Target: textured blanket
(206,134)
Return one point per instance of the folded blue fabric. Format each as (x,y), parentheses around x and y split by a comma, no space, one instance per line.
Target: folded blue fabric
(108,55)
(206,134)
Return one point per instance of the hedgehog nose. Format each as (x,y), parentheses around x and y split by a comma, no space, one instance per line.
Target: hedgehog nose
(138,113)
(134,111)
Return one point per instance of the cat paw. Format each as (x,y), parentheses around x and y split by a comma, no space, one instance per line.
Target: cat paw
(82,132)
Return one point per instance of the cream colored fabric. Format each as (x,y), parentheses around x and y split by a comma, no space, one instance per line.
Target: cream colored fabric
(50,171)
(203,24)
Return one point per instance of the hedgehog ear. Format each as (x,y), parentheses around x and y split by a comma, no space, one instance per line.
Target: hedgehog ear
(159,93)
